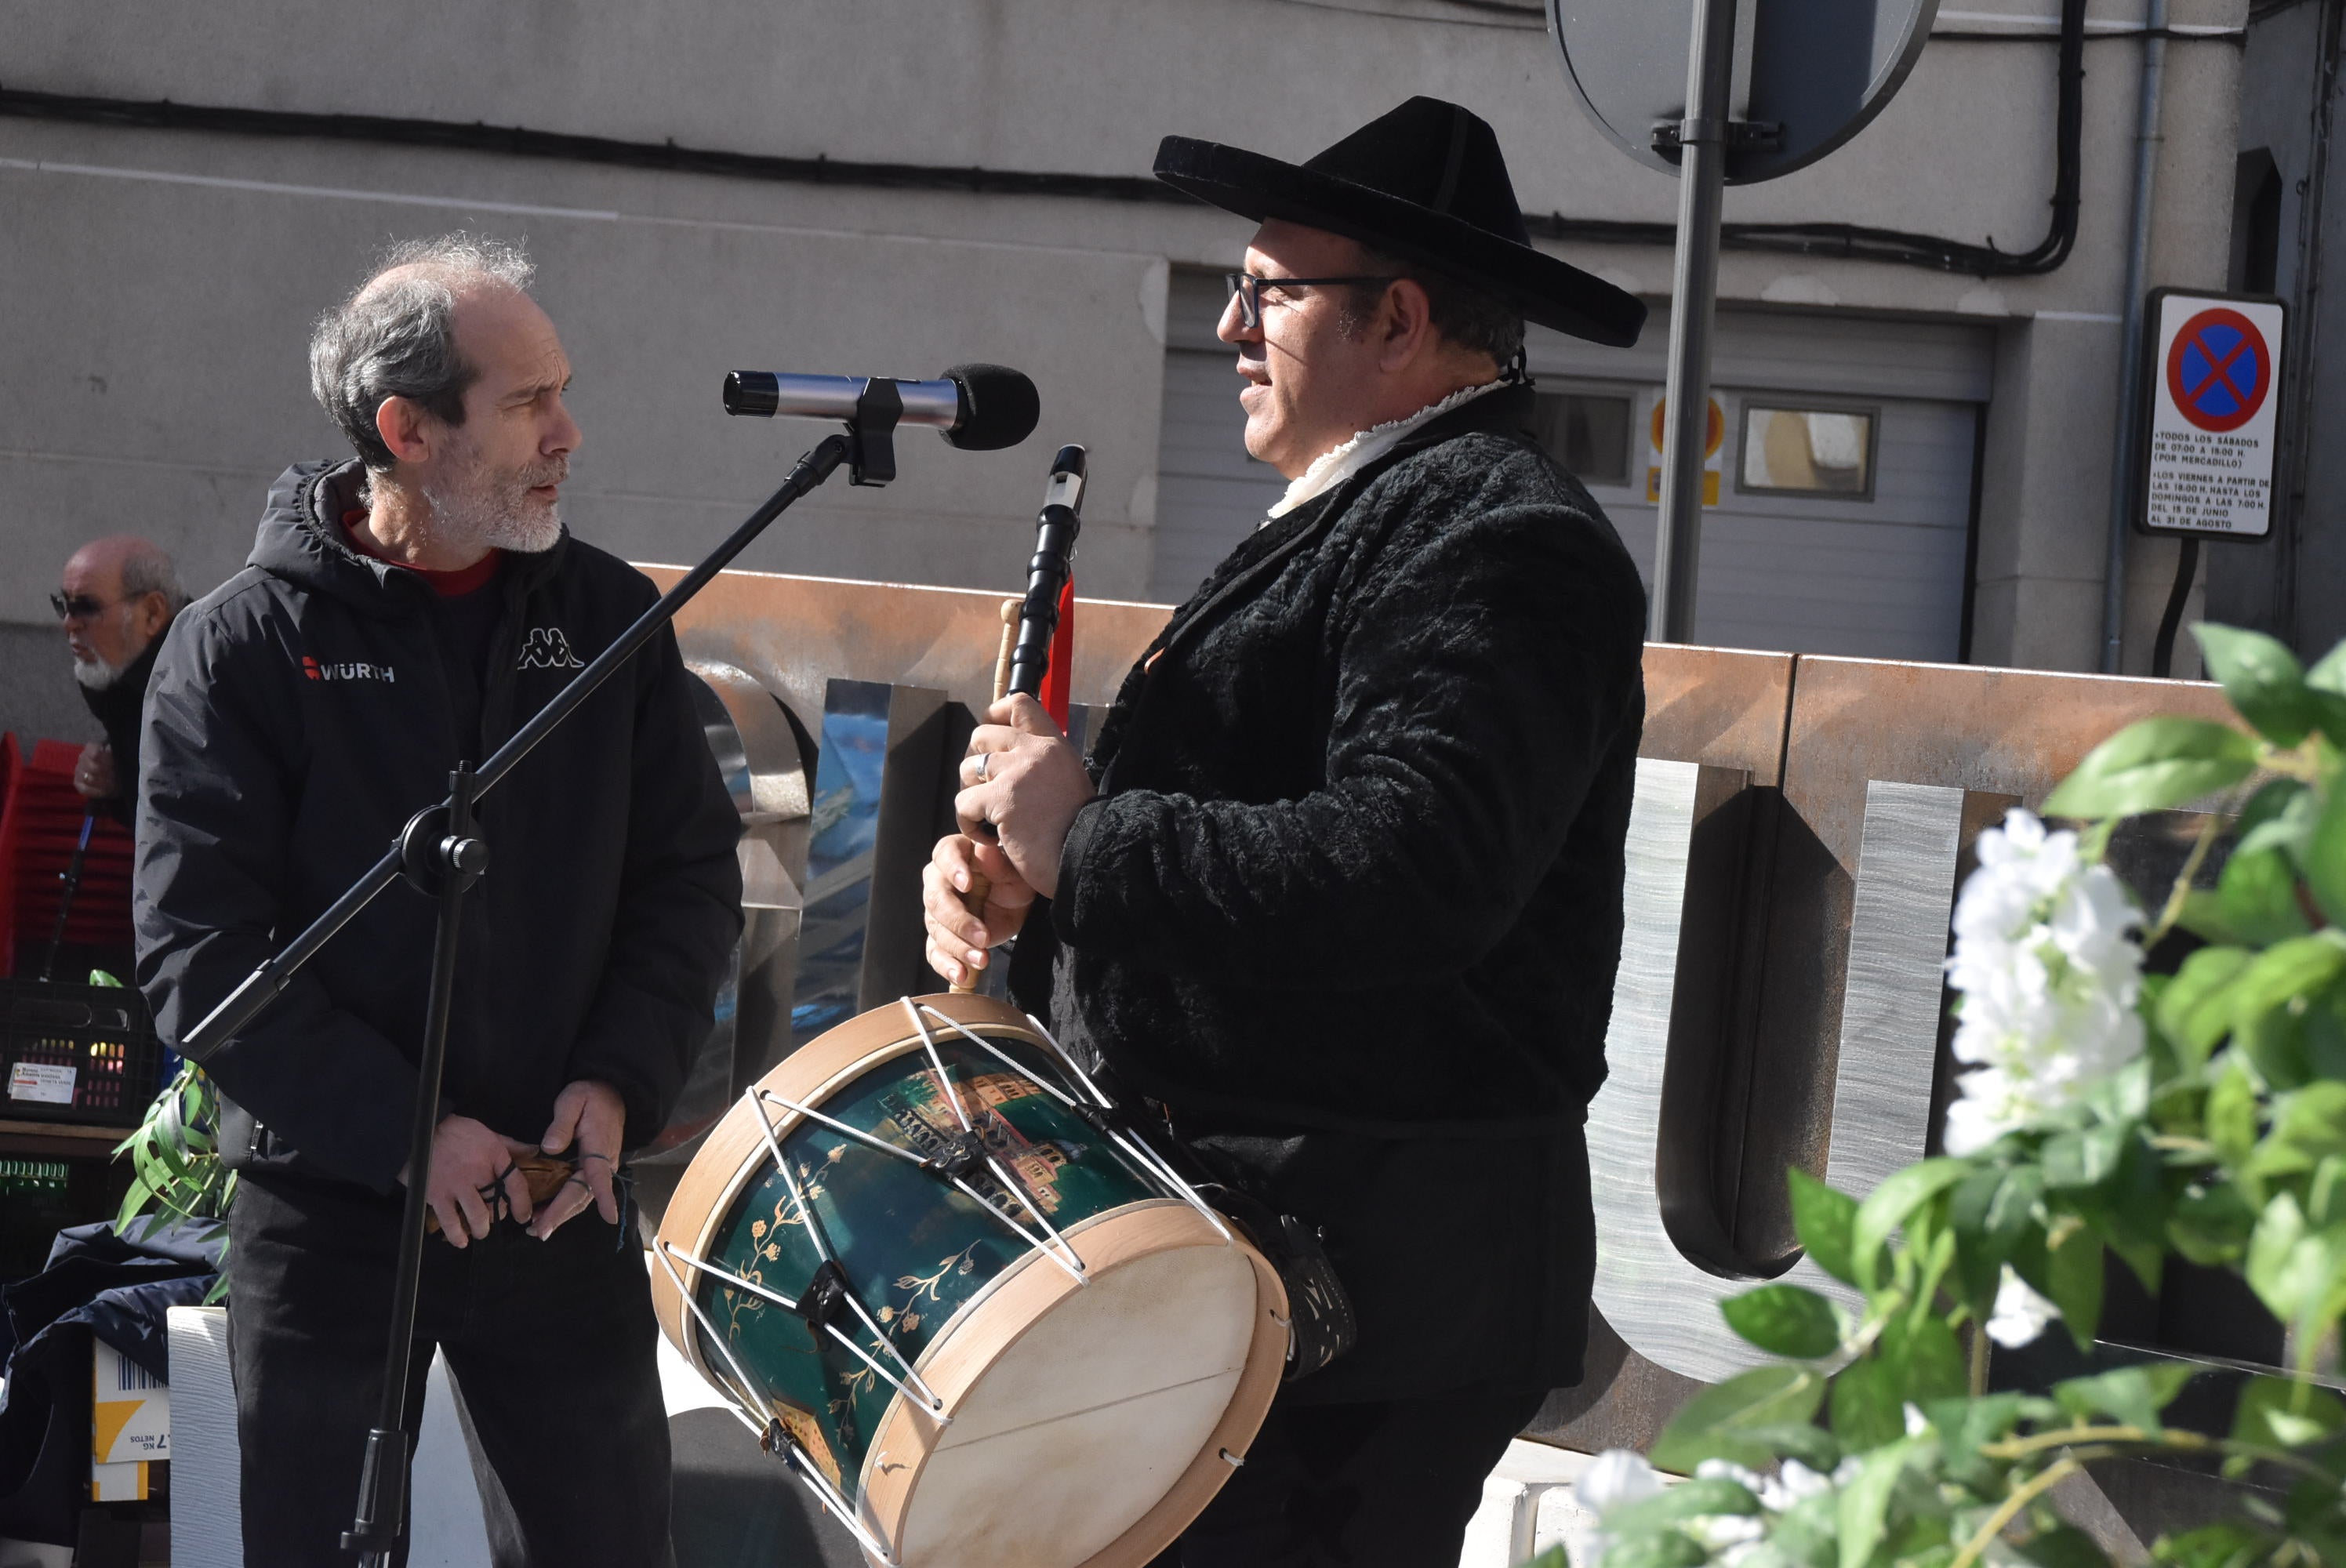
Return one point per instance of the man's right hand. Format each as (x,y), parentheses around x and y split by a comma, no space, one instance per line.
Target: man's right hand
(94,774)
(469,1164)
(958,940)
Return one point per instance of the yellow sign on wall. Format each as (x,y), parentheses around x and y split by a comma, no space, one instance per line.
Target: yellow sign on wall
(1714,443)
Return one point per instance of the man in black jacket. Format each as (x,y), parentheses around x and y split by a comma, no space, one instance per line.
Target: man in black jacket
(400,612)
(116,598)
(1342,888)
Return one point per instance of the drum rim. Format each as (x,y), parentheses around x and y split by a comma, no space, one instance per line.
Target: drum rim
(809,1076)
(1161,1225)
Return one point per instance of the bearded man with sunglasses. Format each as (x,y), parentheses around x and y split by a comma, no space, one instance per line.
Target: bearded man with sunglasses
(1339,888)
(116,601)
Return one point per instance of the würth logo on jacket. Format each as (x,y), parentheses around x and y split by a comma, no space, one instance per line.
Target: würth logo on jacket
(547,648)
(317,670)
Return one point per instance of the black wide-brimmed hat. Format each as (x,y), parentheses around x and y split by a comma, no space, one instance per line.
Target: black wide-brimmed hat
(1426,183)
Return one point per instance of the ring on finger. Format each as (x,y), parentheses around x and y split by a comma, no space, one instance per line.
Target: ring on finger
(985,761)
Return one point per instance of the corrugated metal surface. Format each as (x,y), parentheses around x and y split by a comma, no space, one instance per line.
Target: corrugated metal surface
(1879,576)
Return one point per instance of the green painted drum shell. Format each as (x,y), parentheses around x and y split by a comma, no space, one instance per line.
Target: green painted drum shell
(918,1255)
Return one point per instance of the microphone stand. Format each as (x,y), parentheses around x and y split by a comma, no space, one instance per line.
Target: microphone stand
(440,853)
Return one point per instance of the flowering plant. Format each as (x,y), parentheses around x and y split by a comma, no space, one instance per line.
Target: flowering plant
(2101,1112)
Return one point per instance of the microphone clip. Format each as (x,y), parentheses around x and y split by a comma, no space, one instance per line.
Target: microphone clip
(872,433)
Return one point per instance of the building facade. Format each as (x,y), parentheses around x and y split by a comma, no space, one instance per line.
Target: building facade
(1914,462)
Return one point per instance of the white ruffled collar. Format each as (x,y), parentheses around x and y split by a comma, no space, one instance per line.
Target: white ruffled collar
(1332,467)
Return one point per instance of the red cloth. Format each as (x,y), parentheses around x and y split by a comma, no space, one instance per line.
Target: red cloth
(41,816)
(447,585)
(1057,675)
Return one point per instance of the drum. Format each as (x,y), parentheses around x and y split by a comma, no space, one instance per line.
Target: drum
(978,1313)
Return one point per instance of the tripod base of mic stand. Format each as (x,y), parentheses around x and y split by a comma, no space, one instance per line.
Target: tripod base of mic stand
(383,1499)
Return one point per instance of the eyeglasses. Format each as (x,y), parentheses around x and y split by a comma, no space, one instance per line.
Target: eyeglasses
(1247,289)
(79,607)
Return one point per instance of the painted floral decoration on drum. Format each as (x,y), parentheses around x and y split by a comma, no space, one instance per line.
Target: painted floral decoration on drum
(2048,973)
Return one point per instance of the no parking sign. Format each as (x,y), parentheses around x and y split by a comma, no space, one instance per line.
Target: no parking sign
(2214,404)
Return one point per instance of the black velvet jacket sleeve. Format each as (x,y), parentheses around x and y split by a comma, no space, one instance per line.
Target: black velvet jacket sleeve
(1357,861)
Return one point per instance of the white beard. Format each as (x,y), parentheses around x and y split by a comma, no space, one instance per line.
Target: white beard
(97,675)
(495,510)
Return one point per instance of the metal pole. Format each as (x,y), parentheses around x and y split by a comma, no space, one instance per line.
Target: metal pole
(2125,456)
(1694,298)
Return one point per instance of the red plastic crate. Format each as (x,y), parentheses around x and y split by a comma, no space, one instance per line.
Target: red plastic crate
(41,816)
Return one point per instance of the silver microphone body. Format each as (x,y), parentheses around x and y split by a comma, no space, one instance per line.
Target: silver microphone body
(980,407)
(780,395)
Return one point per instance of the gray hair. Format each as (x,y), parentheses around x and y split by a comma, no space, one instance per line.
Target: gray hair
(398,340)
(149,571)
(1467,317)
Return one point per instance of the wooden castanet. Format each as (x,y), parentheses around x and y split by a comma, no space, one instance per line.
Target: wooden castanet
(544,1175)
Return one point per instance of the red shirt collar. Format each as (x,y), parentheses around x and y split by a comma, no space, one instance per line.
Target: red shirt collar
(447,585)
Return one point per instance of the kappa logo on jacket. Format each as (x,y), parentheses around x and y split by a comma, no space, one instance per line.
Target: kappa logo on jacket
(316,669)
(547,648)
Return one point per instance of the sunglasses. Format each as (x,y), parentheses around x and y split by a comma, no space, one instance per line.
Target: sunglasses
(79,607)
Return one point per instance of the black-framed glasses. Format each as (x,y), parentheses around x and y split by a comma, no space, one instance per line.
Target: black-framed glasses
(1247,289)
(78,605)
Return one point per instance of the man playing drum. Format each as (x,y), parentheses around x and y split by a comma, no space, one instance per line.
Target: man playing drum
(1341,886)
(403,610)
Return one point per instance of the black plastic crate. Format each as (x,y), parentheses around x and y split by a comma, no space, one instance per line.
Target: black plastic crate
(76,1054)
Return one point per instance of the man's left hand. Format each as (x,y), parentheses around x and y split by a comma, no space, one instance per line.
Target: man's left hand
(589,1120)
(1022,776)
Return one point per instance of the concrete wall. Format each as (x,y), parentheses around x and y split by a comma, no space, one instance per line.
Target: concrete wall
(155,286)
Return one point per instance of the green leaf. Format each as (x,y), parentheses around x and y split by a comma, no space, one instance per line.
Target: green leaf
(1926,1360)
(2064,1546)
(1865,1502)
(2257,897)
(2329,672)
(2195,1010)
(1811,1445)
(1785,1321)
(1966,1425)
(1553,1557)
(2232,1113)
(1691,1499)
(2084,1158)
(2152,766)
(2132,1395)
(1992,1210)
(1868,1406)
(2211,1226)
(2325,857)
(2280,1412)
(2074,1278)
(1888,1204)
(2262,678)
(2233,1543)
(2287,971)
(1712,1424)
(1825,1220)
(1661,1549)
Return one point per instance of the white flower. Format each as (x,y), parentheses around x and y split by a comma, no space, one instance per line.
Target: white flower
(1794,1485)
(1723,1533)
(2020,1314)
(1728,1470)
(2049,972)
(1616,1478)
(1917,1423)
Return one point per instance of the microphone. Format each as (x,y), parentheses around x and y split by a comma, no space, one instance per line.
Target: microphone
(979,407)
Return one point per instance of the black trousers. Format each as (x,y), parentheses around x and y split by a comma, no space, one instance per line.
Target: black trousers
(550,1345)
(1388,1485)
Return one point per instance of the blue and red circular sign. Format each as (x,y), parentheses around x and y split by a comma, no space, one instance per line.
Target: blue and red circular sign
(2219,369)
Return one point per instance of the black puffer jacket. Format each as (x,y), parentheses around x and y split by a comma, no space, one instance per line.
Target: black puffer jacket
(299,715)
(1357,863)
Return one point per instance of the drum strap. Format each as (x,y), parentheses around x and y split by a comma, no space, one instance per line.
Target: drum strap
(1320,1325)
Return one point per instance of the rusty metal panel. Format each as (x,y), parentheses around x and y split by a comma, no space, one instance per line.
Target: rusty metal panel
(798,634)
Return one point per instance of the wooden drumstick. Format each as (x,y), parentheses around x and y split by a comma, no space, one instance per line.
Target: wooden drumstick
(1028,625)
(979,885)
